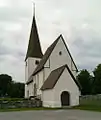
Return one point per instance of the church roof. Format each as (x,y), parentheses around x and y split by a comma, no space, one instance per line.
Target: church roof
(44,59)
(46,56)
(54,77)
(34,48)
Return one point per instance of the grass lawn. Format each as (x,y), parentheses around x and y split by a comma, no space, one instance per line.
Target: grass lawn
(90,108)
(92,105)
(27,109)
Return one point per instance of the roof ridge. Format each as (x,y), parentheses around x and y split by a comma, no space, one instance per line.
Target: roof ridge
(69,52)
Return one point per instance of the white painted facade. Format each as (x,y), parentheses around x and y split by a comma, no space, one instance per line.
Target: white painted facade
(48,98)
(29,68)
(51,97)
(29,91)
(55,60)
(66,83)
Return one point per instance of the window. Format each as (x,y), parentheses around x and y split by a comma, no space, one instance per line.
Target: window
(36,62)
(60,53)
(35,90)
(28,93)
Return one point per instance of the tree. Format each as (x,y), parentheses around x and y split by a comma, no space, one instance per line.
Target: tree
(10,88)
(97,80)
(84,78)
(17,90)
(5,84)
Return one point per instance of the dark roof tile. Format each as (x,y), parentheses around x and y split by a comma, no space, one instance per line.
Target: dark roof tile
(55,75)
(34,48)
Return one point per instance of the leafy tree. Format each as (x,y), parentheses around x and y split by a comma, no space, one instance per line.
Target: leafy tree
(17,90)
(85,78)
(5,84)
(97,80)
(9,88)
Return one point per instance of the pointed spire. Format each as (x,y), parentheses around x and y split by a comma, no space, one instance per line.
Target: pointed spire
(34,48)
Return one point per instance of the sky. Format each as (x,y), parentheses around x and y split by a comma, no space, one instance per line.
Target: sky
(78,20)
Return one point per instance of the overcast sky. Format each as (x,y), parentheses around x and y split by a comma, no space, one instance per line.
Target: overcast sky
(78,20)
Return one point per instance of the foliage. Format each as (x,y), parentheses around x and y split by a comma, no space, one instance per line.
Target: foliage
(85,80)
(97,80)
(17,90)
(90,84)
(9,88)
(5,84)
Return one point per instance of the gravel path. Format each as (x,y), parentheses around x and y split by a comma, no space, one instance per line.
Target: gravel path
(51,115)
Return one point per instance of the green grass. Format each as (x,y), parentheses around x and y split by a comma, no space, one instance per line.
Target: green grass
(27,109)
(92,105)
(90,108)
(12,99)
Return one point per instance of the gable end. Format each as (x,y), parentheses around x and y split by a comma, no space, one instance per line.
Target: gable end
(46,56)
(69,53)
(54,77)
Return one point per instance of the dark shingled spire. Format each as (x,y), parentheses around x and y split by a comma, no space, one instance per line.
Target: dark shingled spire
(34,48)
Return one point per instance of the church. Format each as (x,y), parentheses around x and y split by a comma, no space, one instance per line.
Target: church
(51,76)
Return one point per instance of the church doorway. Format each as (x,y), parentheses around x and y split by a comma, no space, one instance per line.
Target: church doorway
(65,98)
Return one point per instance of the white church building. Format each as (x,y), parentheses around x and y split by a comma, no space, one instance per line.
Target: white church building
(52,76)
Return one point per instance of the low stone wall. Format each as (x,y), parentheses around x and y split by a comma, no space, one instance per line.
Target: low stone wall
(91,100)
(91,97)
(20,104)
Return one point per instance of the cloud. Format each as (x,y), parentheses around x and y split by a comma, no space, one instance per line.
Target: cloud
(77,20)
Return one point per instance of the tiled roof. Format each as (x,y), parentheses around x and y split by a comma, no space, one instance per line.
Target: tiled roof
(34,48)
(54,77)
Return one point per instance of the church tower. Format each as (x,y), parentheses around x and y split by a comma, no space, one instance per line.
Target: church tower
(34,52)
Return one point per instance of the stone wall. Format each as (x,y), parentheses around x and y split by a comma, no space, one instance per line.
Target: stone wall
(91,97)
(91,100)
(20,104)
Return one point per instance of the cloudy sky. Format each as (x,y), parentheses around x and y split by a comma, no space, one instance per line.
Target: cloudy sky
(78,20)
